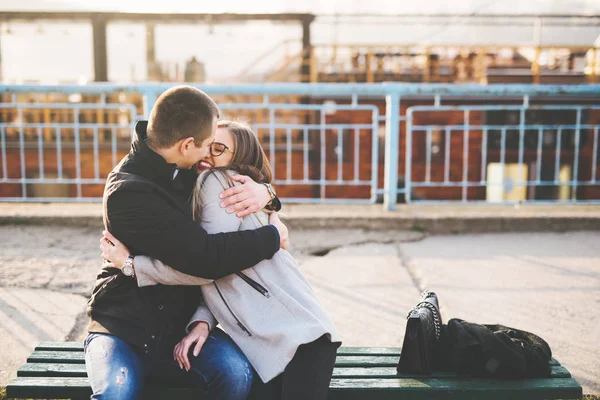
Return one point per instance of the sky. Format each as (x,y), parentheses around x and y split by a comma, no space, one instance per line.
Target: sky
(56,53)
(314,6)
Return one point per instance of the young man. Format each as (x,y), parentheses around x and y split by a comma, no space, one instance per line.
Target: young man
(132,330)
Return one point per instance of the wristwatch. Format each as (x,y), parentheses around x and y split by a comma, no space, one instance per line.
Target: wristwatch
(127,268)
(271,190)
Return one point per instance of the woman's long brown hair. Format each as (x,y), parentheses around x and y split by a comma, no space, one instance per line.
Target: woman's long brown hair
(248,159)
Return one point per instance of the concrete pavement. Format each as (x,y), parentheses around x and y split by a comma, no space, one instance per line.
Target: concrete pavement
(545,283)
(439,219)
(31,316)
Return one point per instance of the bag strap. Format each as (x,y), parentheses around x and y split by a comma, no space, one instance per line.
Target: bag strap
(436,316)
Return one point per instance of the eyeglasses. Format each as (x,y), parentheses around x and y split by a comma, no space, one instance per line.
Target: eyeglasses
(216,149)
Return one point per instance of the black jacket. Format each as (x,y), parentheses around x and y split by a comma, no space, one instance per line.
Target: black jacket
(493,351)
(149,211)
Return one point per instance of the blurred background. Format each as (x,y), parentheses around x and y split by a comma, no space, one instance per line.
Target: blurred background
(351,41)
(514,117)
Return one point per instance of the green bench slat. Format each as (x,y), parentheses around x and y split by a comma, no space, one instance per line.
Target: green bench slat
(63,357)
(342,351)
(366,361)
(372,351)
(52,369)
(57,370)
(384,361)
(77,357)
(390,372)
(431,388)
(356,389)
(70,357)
(57,346)
(78,388)
(56,387)
(78,370)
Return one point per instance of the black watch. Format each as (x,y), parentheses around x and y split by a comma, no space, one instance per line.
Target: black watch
(274,204)
(271,190)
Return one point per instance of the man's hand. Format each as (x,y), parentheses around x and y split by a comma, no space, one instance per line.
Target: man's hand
(114,253)
(283,231)
(197,335)
(246,198)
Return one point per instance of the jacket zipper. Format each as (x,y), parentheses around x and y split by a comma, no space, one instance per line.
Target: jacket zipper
(239,323)
(255,285)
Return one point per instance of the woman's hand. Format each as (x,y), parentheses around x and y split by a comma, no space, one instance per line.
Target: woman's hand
(247,198)
(284,236)
(113,251)
(197,335)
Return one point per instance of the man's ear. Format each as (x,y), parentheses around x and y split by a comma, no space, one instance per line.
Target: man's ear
(187,144)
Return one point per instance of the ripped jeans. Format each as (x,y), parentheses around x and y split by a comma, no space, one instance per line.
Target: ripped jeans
(117,371)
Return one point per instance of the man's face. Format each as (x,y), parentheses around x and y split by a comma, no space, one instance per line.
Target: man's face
(193,153)
(223,149)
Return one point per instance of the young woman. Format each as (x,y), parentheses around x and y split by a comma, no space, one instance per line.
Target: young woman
(269,310)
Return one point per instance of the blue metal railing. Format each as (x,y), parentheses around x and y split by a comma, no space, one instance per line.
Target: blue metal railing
(537,130)
(326,138)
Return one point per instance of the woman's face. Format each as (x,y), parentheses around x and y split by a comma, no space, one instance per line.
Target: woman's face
(221,151)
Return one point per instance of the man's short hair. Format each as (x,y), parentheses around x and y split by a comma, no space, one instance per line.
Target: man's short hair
(179,113)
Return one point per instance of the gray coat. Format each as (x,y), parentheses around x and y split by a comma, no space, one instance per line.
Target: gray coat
(268,310)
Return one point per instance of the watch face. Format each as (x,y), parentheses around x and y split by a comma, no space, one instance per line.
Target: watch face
(127,270)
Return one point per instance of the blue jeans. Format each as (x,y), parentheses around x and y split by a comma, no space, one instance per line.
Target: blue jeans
(117,371)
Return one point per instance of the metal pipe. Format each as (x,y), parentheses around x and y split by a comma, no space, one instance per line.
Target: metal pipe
(392,128)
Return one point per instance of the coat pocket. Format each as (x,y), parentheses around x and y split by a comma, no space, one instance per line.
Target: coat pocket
(238,322)
(255,285)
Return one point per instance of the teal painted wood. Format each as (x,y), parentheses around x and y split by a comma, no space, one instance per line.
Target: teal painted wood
(78,370)
(390,372)
(431,388)
(78,388)
(361,360)
(77,357)
(57,370)
(421,388)
(383,352)
(65,357)
(365,361)
(52,370)
(373,351)
(342,351)
(56,388)
(60,346)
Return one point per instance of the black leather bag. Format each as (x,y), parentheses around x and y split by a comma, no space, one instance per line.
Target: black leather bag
(423,328)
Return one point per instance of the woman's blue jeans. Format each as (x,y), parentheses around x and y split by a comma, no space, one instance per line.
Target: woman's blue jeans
(117,371)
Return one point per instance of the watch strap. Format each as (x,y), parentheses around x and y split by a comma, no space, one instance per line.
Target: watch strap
(129,263)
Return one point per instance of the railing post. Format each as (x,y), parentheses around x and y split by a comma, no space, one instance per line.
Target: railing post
(408,157)
(392,127)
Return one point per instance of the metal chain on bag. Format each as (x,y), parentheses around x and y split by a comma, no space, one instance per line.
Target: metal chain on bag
(436,316)
(426,294)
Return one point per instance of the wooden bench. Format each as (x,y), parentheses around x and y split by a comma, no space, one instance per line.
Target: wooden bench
(57,370)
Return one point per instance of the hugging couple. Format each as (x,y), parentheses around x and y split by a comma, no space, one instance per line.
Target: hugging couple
(193,240)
